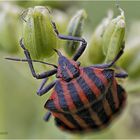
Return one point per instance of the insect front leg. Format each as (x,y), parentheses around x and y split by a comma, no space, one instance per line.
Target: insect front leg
(37,76)
(103,66)
(122,74)
(72,38)
(41,91)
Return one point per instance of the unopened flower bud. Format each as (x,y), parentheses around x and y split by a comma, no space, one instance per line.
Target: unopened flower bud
(75,28)
(94,50)
(10,27)
(113,37)
(38,33)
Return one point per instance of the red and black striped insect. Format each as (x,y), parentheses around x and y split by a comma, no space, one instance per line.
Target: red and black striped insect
(83,98)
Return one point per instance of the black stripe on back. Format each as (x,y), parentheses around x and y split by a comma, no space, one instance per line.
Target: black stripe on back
(84,113)
(74,71)
(75,97)
(50,105)
(109,98)
(91,97)
(61,98)
(64,106)
(66,76)
(120,92)
(109,74)
(99,109)
(91,75)
(73,121)
(86,116)
(59,123)
(86,89)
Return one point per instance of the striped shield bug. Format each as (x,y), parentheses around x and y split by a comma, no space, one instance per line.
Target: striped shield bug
(82,98)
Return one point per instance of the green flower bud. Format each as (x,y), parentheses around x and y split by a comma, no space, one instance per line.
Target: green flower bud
(10,27)
(95,46)
(75,28)
(113,37)
(38,33)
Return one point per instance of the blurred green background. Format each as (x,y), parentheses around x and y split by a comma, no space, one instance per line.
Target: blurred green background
(21,110)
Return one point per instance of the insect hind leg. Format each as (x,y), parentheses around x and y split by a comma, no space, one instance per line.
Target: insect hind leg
(47,116)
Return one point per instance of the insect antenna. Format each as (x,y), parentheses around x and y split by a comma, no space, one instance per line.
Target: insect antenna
(26,60)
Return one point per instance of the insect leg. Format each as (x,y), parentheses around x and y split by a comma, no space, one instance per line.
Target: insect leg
(103,66)
(80,51)
(47,116)
(37,76)
(72,38)
(41,91)
(121,75)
